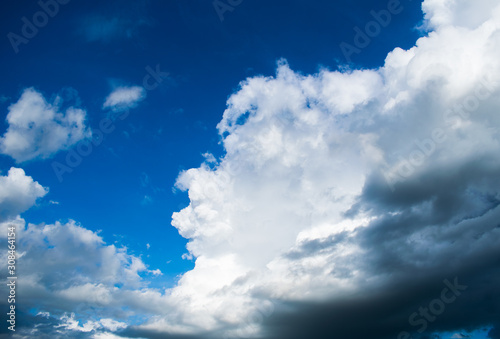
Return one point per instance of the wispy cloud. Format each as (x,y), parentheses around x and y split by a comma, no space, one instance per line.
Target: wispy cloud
(122,22)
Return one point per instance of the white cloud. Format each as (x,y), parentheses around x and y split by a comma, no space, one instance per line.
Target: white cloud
(18,192)
(460,13)
(124,97)
(89,282)
(38,129)
(107,335)
(70,323)
(112,325)
(44,314)
(269,223)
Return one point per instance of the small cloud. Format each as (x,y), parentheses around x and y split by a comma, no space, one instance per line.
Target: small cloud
(148,246)
(187,256)
(43,314)
(124,98)
(18,192)
(39,129)
(156,272)
(52,202)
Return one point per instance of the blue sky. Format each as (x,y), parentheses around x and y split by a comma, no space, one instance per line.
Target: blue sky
(185,85)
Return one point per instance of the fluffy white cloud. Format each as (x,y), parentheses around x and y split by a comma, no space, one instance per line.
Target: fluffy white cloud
(124,97)
(458,13)
(329,177)
(38,129)
(18,192)
(60,251)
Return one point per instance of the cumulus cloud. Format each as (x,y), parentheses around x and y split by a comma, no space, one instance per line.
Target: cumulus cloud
(38,129)
(337,188)
(124,97)
(69,271)
(18,192)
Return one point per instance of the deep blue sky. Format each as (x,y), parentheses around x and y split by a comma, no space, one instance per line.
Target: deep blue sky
(91,46)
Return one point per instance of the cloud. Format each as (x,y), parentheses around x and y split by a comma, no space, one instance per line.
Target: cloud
(18,192)
(70,323)
(69,271)
(124,97)
(38,129)
(107,335)
(459,13)
(346,198)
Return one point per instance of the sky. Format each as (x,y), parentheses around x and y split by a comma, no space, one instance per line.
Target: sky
(250,169)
